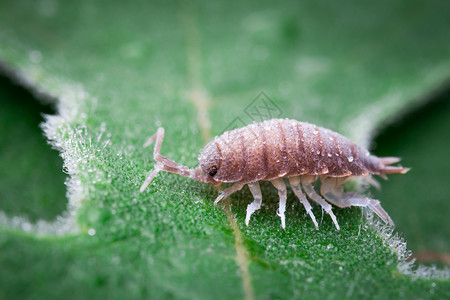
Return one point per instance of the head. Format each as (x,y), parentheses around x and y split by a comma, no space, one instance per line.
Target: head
(209,159)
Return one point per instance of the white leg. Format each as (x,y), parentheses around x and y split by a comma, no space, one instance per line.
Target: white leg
(354,199)
(309,189)
(256,204)
(228,191)
(281,187)
(332,191)
(295,184)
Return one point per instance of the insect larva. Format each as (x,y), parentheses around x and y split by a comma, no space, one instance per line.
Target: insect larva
(278,148)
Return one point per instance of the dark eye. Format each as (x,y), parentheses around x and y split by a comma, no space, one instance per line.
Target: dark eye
(212,171)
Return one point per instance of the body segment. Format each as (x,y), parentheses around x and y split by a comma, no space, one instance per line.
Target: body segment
(284,148)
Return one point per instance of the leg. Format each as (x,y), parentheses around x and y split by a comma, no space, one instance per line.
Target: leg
(337,197)
(228,191)
(309,189)
(353,199)
(332,190)
(281,187)
(256,204)
(295,184)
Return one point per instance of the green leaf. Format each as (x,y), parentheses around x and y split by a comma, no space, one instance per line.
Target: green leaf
(117,71)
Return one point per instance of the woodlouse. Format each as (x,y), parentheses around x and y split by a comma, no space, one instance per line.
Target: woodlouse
(278,148)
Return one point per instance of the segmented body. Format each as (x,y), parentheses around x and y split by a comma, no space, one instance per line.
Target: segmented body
(279,148)
(284,148)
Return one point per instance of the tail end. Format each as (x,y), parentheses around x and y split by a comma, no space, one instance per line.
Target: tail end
(389,160)
(386,169)
(392,170)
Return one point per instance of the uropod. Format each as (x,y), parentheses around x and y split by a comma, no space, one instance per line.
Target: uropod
(277,148)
